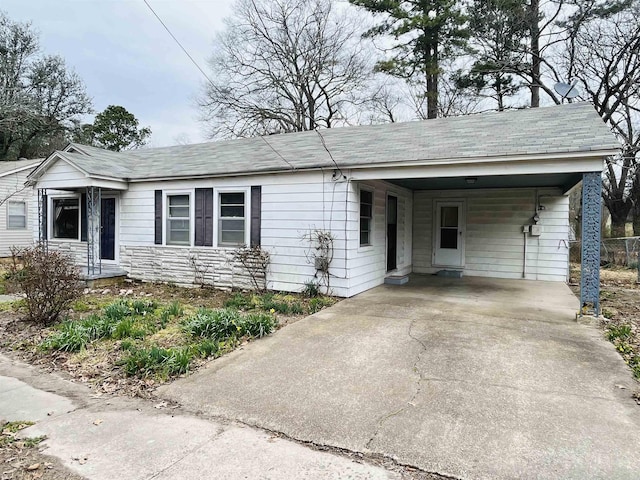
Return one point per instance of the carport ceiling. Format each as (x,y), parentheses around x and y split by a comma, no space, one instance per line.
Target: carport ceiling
(563,180)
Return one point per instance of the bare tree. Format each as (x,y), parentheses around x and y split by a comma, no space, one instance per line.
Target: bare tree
(39,95)
(287,65)
(605,57)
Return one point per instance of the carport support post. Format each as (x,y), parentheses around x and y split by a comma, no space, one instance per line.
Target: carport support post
(591,221)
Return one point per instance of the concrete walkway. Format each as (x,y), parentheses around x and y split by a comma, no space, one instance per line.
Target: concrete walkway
(112,437)
(472,378)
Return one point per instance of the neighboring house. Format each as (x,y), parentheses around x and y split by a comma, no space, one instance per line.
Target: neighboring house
(483,195)
(17,206)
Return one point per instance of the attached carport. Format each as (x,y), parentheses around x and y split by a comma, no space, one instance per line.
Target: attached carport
(474,378)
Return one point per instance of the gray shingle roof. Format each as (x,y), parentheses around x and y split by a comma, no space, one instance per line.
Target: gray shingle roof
(571,128)
(10,166)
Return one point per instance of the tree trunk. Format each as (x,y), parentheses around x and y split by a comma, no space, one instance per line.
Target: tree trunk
(535,53)
(432,82)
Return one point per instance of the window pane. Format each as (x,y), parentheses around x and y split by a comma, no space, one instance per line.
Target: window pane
(179,237)
(16,221)
(365,231)
(449,217)
(232,198)
(235,211)
(365,210)
(232,237)
(178,200)
(17,208)
(449,238)
(66,218)
(182,212)
(366,197)
(231,232)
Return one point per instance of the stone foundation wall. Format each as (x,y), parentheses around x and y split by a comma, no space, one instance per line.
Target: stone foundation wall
(186,266)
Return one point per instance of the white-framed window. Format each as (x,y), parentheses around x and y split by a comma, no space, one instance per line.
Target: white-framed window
(16,215)
(366,217)
(232,216)
(65,218)
(178,214)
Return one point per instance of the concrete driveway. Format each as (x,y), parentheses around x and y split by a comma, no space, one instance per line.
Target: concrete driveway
(473,378)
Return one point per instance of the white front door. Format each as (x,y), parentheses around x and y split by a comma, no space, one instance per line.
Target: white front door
(448,244)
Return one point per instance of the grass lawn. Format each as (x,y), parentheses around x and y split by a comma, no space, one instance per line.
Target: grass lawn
(132,337)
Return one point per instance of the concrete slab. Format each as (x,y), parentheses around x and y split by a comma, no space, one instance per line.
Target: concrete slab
(473,378)
(111,437)
(33,405)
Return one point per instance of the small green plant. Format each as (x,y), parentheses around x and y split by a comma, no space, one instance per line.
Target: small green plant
(117,310)
(239,301)
(126,345)
(269,302)
(621,331)
(71,337)
(142,307)
(311,289)
(164,362)
(257,325)
(8,434)
(317,304)
(127,329)
(219,324)
(174,309)
(296,308)
(206,348)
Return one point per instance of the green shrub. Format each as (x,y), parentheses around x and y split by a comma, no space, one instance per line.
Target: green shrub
(219,324)
(257,325)
(127,329)
(297,308)
(311,289)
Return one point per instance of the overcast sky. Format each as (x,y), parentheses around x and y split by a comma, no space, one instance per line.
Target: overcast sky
(125,56)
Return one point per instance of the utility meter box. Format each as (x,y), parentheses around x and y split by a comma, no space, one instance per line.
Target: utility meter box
(536,230)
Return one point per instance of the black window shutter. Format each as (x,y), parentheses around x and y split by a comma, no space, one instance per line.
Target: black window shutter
(256,215)
(83,217)
(158,215)
(204,217)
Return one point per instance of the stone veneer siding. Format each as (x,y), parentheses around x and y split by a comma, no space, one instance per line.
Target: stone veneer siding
(185,266)
(76,250)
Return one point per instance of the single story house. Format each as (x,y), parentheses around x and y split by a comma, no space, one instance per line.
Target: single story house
(17,206)
(479,195)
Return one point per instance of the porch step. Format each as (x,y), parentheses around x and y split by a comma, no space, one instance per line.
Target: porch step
(450,273)
(108,276)
(396,280)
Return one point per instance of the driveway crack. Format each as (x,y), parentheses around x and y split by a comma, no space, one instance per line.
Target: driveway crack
(418,388)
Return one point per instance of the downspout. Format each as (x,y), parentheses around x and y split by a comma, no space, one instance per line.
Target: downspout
(524,260)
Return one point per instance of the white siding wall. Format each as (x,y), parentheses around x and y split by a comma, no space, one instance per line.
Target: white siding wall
(62,175)
(292,206)
(368,265)
(12,237)
(493,236)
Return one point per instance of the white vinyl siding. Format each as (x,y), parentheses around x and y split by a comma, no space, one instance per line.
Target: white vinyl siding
(494,241)
(18,237)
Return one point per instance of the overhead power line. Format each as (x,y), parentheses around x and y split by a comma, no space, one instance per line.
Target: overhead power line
(277,153)
(178,42)
(324,144)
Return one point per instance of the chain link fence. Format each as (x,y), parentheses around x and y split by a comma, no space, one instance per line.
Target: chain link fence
(613,251)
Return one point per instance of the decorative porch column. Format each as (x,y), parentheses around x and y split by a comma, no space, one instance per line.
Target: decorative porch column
(43,237)
(94,202)
(591,221)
